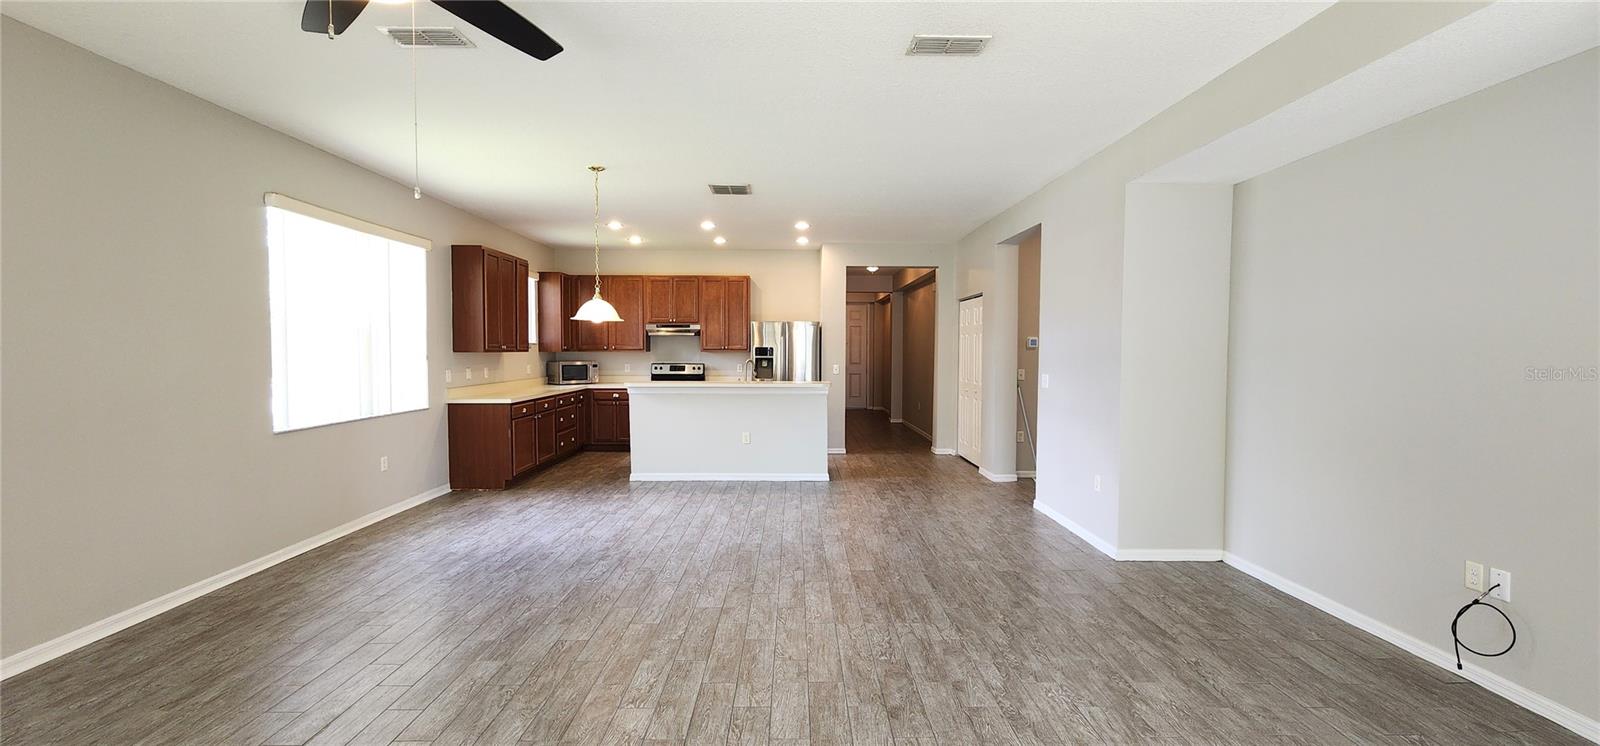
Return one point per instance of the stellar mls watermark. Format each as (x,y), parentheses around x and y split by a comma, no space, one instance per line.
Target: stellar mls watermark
(1561,374)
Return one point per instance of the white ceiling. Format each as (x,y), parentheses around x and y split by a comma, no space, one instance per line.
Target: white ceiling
(1489,46)
(813,103)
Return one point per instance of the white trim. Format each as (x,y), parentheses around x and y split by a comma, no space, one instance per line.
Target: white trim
(918,430)
(895,420)
(1027,474)
(1539,704)
(47,651)
(993,477)
(742,388)
(878,409)
(285,202)
(1169,555)
(728,477)
(937,451)
(1105,547)
(835,451)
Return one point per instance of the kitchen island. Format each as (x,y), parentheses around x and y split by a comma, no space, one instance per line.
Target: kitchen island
(772,431)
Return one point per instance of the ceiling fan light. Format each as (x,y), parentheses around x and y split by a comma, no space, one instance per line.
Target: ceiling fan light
(596,310)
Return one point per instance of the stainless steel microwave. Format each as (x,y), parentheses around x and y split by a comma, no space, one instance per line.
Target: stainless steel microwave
(571,371)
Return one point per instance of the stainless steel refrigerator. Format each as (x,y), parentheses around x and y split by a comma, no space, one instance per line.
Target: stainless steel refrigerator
(786,350)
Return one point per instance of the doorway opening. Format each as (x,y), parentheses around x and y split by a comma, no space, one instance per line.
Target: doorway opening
(889,358)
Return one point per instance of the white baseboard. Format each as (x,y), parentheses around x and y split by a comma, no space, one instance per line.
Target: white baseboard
(1556,712)
(47,651)
(1027,474)
(918,430)
(993,477)
(728,477)
(895,420)
(878,409)
(835,451)
(943,451)
(1105,547)
(1169,555)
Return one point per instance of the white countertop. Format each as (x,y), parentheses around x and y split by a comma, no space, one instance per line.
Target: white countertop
(511,392)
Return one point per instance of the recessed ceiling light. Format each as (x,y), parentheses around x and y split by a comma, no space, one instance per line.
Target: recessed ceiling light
(719,240)
(615,225)
(802,225)
(802,240)
(872,269)
(635,239)
(707,225)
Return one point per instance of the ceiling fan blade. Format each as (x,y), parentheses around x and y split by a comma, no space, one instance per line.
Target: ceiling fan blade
(315,18)
(500,21)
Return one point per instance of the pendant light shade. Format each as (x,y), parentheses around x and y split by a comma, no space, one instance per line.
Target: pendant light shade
(596,309)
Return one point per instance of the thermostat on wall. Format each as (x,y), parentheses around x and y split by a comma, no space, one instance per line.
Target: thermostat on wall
(1033,343)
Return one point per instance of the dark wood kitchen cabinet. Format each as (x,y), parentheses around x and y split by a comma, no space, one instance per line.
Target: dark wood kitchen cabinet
(493,444)
(724,313)
(625,293)
(608,418)
(489,300)
(671,299)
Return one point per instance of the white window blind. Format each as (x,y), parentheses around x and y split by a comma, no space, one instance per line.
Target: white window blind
(349,317)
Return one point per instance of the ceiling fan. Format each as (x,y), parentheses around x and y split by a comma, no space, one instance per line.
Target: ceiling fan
(496,19)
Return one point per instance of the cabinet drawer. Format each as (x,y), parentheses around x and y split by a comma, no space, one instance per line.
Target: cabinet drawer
(567,417)
(569,399)
(525,408)
(567,441)
(610,394)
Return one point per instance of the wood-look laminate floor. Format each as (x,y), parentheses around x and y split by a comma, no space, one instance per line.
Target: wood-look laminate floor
(908,601)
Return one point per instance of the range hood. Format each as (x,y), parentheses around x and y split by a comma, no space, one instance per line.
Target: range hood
(672,330)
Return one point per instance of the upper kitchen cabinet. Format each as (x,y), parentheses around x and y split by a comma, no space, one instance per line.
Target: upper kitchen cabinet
(489,300)
(671,299)
(623,292)
(724,313)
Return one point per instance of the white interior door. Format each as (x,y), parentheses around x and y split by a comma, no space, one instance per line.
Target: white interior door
(969,383)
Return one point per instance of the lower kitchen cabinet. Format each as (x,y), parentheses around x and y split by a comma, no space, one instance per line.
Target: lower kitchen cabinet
(493,444)
(608,418)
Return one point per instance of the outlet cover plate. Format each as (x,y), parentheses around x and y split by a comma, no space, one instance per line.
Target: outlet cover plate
(1472,577)
(1503,579)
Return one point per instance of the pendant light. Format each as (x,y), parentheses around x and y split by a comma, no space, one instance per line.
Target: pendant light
(596,309)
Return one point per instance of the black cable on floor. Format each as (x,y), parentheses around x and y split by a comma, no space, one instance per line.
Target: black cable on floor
(1457,636)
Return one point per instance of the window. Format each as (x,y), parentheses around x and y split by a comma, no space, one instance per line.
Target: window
(533,315)
(349,306)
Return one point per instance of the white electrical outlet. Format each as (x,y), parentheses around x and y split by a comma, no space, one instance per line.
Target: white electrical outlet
(1501,578)
(745,438)
(447,376)
(836,369)
(627,367)
(1474,576)
(528,369)
(1022,375)
(1097,483)
(1044,380)
(485,374)
(1019,436)
(383,463)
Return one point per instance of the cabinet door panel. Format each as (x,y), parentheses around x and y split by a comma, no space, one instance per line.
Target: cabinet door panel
(524,445)
(622,422)
(521,308)
(626,293)
(509,290)
(603,422)
(737,314)
(545,436)
(713,320)
(493,310)
(658,300)
(685,299)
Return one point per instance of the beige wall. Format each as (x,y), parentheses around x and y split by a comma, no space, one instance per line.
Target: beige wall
(1389,295)
(783,287)
(138,453)
(916,382)
(1028,326)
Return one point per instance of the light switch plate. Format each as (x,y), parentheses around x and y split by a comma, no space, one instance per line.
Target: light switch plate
(1044,380)
(447,376)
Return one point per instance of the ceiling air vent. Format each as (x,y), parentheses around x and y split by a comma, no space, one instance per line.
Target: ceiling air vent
(943,44)
(742,190)
(438,37)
